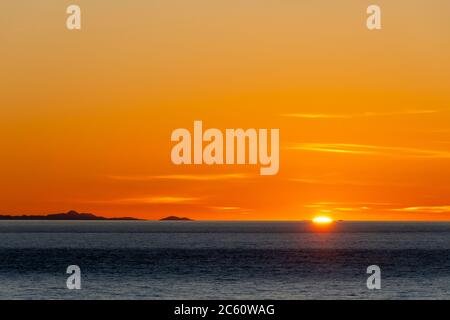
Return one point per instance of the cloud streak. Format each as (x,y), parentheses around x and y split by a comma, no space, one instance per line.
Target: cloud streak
(377,207)
(181,177)
(356,115)
(425,209)
(151,200)
(231,209)
(348,206)
(329,181)
(360,149)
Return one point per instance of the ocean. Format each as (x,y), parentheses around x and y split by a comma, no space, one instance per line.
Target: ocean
(223,260)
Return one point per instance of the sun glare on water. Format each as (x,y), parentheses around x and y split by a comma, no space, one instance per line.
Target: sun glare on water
(322,220)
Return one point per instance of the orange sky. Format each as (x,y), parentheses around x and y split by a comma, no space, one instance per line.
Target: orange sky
(364,116)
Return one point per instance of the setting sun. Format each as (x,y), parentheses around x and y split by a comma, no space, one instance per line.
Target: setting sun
(322,220)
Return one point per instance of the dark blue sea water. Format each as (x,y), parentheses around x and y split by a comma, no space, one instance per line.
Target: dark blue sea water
(223,260)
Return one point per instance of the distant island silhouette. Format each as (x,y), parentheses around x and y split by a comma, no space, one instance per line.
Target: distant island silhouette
(175,218)
(71,215)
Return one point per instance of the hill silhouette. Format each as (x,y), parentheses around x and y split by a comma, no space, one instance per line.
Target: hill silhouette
(175,218)
(71,215)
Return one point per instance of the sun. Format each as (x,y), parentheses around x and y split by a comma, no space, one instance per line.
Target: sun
(322,220)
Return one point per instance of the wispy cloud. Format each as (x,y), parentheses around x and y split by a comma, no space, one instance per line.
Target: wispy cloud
(356,115)
(348,206)
(374,207)
(226,208)
(370,150)
(425,209)
(230,209)
(186,177)
(151,200)
(331,181)
(337,203)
